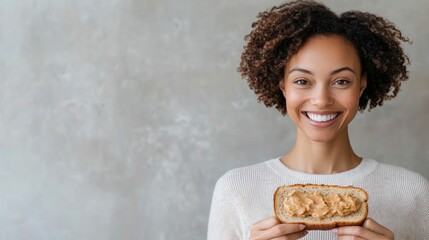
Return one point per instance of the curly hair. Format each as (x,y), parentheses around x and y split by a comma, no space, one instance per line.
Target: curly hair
(280,32)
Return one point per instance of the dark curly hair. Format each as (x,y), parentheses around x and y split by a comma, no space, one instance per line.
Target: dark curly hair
(279,33)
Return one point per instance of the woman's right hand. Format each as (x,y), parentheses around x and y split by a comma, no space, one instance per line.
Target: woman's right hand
(270,228)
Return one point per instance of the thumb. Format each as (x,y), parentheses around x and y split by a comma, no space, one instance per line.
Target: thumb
(374,226)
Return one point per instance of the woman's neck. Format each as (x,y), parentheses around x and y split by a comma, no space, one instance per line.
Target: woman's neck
(321,157)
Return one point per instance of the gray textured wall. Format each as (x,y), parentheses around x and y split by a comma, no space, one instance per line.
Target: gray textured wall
(118,116)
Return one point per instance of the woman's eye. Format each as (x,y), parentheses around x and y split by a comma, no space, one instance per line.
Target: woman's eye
(301,82)
(342,82)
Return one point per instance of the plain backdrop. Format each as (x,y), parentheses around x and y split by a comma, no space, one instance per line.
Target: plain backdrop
(118,116)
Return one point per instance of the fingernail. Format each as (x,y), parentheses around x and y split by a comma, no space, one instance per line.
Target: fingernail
(301,226)
(334,230)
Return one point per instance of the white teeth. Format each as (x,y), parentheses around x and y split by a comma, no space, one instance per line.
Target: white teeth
(321,118)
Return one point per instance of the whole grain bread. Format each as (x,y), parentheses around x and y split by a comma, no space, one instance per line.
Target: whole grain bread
(356,218)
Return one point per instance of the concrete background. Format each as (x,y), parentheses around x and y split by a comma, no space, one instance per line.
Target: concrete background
(118,116)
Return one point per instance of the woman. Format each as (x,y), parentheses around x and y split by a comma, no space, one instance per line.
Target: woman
(320,69)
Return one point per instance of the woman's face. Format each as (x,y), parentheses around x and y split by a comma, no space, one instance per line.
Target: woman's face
(322,86)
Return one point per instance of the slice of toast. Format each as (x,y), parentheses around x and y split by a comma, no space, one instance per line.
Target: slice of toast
(312,223)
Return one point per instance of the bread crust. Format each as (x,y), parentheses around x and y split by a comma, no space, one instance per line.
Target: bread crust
(326,224)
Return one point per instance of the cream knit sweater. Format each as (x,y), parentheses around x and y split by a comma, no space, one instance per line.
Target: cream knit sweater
(398,198)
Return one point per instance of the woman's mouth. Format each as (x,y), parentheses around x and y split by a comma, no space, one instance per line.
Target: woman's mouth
(321,117)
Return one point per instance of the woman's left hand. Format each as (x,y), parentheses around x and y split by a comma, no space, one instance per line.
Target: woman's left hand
(370,229)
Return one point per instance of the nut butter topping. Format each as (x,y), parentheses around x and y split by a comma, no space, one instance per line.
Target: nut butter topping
(320,206)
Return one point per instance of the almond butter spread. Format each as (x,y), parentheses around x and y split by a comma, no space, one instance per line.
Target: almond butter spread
(320,206)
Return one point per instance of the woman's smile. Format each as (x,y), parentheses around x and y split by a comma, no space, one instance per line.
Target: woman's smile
(320,118)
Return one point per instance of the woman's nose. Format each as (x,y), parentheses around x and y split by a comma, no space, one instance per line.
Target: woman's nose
(322,97)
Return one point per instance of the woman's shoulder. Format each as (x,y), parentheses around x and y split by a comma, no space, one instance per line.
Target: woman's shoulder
(389,170)
(401,177)
(243,179)
(246,173)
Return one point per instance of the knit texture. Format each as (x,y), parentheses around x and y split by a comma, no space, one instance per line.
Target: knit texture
(398,198)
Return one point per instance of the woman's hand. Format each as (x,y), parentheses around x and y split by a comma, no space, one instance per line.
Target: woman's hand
(370,229)
(270,228)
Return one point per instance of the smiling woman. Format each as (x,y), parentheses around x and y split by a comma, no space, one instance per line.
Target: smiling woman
(321,69)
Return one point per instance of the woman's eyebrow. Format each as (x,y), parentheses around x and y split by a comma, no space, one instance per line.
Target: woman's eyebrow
(342,69)
(332,73)
(300,70)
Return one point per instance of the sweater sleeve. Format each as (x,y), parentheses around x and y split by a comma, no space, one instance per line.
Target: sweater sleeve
(224,222)
(422,210)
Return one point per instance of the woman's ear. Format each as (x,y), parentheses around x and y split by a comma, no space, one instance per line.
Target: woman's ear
(363,83)
(282,87)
